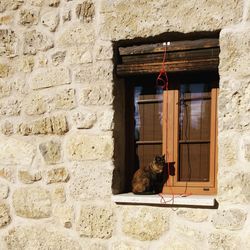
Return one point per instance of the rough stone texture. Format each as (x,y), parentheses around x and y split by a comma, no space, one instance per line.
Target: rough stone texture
(4,191)
(50,20)
(28,177)
(28,17)
(49,77)
(75,35)
(95,222)
(247,151)
(25,63)
(85,11)
(124,246)
(104,51)
(64,214)
(32,202)
(233,219)
(235,59)
(81,54)
(51,152)
(8,42)
(10,107)
(121,21)
(49,125)
(223,240)
(10,4)
(35,41)
(58,57)
(83,147)
(96,96)
(84,120)
(4,215)
(13,151)
(197,215)
(39,237)
(65,100)
(7,128)
(8,173)
(5,88)
(145,223)
(176,243)
(106,121)
(53,3)
(57,175)
(35,104)
(58,194)
(4,70)
(90,181)
(6,20)
(101,72)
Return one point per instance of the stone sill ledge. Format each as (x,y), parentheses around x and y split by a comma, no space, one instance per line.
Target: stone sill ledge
(192,200)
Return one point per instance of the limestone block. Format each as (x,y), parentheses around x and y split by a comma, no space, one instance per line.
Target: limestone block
(235,59)
(16,152)
(233,219)
(37,236)
(95,222)
(8,173)
(66,15)
(58,57)
(28,17)
(223,240)
(38,3)
(190,232)
(176,243)
(79,54)
(101,71)
(121,20)
(32,202)
(4,191)
(82,147)
(29,177)
(10,4)
(85,11)
(8,42)
(57,175)
(106,121)
(104,50)
(58,194)
(10,107)
(145,223)
(194,215)
(53,3)
(90,181)
(49,125)
(6,20)
(96,95)
(64,214)
(76,34)
(4,215)
(4,70)
(84,120)
(97,246)
(247,152)
(50,20)
(49,77)
(51,152)
(35,41)
(64,100)
(5,88)
(35,104)
(7,128)
(25,64)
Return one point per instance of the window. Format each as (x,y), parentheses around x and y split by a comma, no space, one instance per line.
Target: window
(180,122)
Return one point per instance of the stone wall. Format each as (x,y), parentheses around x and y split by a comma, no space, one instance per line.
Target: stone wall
(59,121)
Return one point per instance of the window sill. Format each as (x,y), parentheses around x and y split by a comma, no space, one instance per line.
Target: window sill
(166,200)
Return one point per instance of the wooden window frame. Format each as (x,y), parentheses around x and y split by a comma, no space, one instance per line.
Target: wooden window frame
(170,146)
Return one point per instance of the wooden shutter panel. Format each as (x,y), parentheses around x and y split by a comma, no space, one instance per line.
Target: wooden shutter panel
(196,55)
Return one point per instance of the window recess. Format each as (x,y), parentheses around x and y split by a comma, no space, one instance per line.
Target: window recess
(180,122)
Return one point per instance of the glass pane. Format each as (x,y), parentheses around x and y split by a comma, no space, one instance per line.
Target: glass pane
(194,132)
(148,115)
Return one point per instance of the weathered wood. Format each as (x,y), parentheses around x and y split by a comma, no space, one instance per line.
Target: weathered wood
(173,46)
(174,66)
(172,56)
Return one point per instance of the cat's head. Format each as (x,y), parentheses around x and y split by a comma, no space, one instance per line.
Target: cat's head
(158,164)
